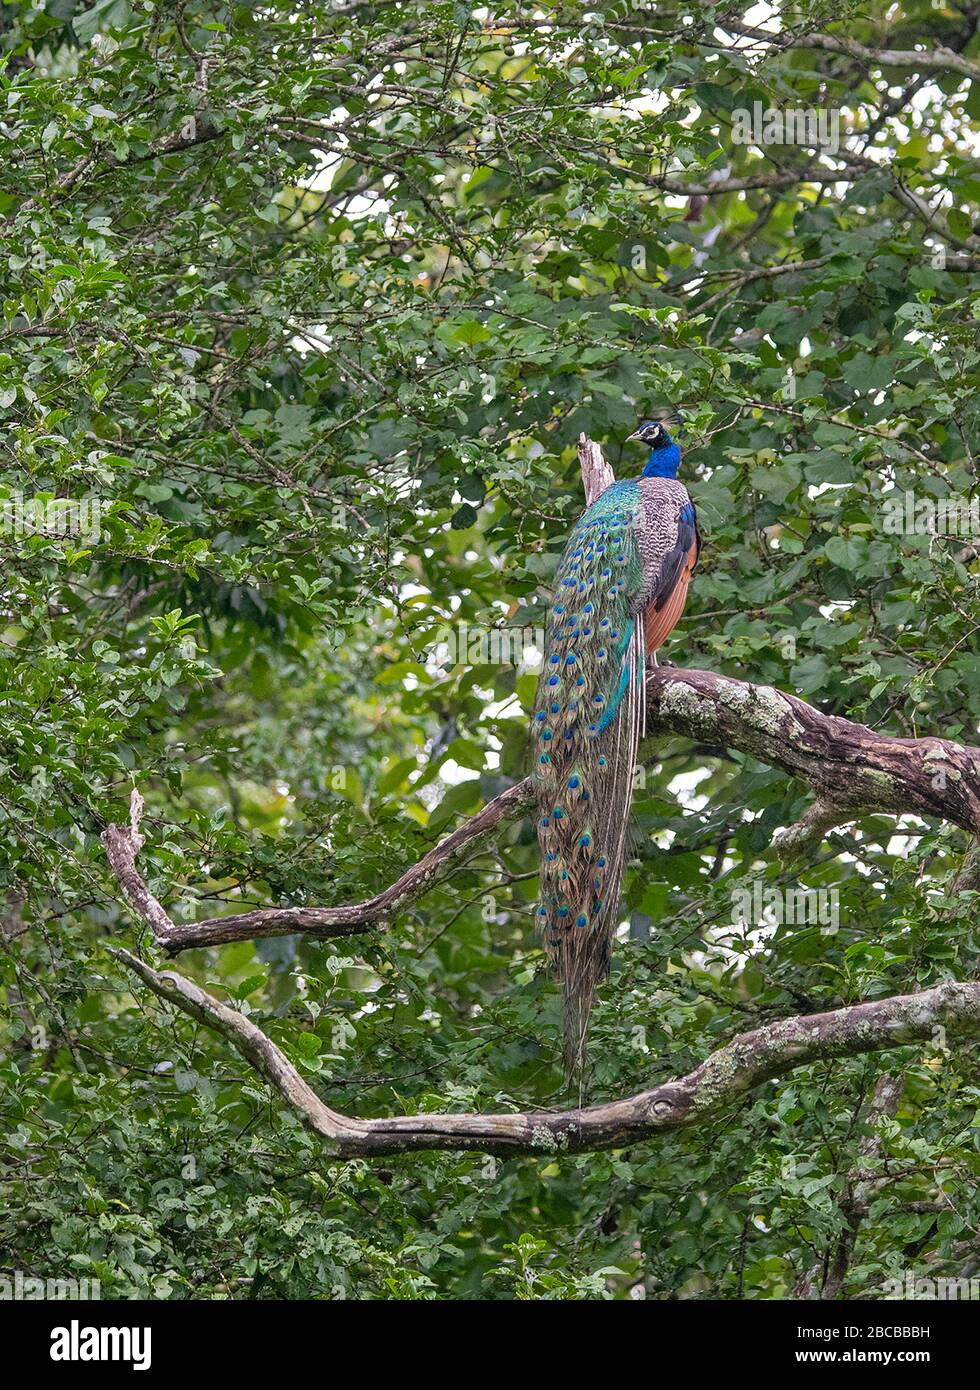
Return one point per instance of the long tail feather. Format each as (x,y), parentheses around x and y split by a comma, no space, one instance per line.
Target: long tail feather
(587,727)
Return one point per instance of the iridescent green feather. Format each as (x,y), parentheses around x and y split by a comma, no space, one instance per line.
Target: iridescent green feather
(586,730)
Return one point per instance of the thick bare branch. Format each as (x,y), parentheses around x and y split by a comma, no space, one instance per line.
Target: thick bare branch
(724,1076)
(852,768)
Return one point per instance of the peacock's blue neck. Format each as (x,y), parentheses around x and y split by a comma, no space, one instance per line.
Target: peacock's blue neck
(663,462)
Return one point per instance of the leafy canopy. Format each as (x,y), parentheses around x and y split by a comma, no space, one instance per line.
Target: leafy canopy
(312,301)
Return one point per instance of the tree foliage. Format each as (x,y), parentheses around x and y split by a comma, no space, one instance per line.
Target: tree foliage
(311,302)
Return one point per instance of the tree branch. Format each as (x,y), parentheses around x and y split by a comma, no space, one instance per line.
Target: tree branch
(849,172)
(722,1078)
(853,770)
(123,843)
(937,58)
(597,475)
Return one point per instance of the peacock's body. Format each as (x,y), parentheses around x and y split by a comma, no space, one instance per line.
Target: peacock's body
(620,590)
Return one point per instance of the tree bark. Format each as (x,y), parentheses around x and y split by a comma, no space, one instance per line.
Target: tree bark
(691,1100)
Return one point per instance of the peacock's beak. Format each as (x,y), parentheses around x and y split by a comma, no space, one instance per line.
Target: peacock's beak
(637,434)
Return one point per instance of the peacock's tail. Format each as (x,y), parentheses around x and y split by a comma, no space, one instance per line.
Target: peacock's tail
(587,727)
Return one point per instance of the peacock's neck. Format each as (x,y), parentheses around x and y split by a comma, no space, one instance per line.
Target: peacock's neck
(663,463)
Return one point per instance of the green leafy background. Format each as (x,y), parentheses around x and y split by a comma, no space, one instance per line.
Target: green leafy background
(315,303)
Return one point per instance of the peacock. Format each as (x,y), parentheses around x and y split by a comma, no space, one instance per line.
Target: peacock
(620,590)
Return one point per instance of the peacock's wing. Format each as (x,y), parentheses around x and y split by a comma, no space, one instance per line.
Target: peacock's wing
(668,532)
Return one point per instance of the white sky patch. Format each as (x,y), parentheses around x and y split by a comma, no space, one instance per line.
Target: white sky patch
(837,608)
(503,709)
(452,774)
(682,787)
(901,844)
(763,16)
(818,489)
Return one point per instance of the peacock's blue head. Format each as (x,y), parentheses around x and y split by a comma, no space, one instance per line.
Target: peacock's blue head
(665,455)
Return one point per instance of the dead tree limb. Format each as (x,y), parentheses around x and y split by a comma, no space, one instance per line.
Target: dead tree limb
(123,843)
